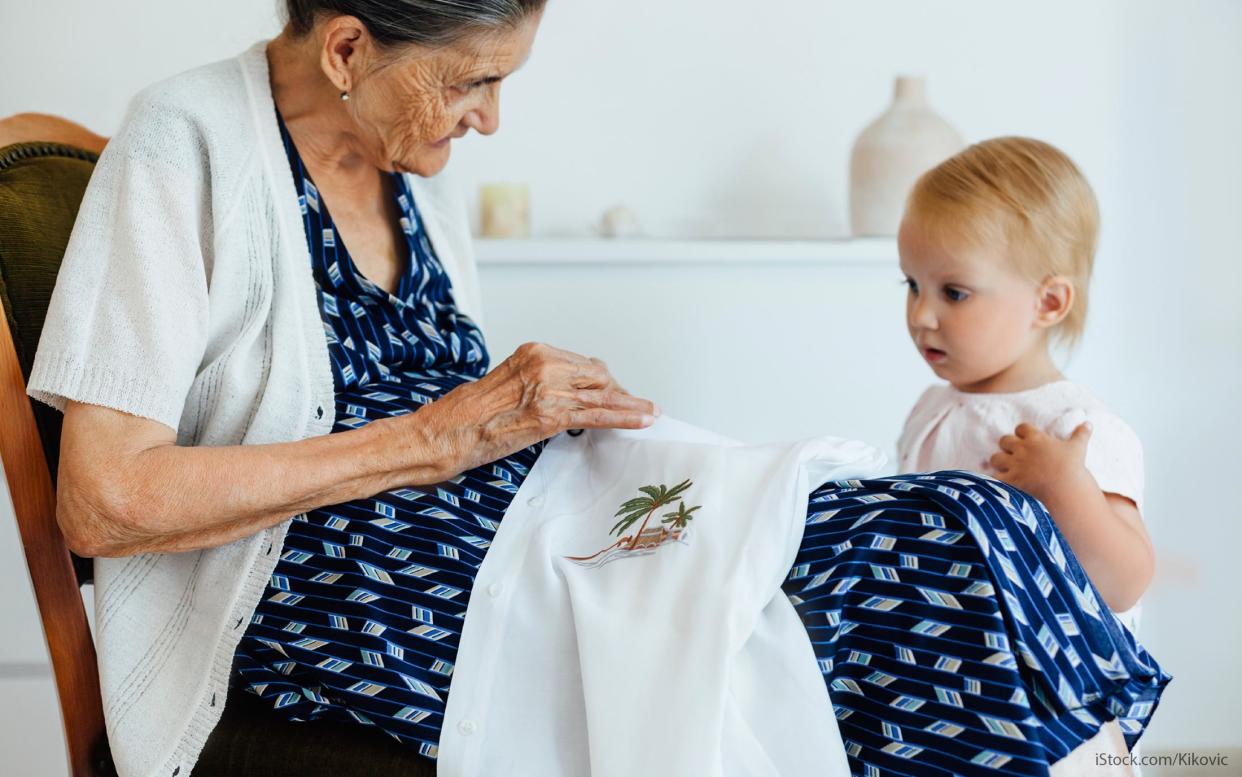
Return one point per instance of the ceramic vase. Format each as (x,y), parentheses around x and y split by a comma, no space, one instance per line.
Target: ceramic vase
(891,153)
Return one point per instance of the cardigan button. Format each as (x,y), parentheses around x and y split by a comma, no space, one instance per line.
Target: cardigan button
(576,432)
(495,589)
(535,501)
(466,727)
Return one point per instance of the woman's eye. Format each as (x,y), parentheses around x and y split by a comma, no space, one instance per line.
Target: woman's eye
(955,295)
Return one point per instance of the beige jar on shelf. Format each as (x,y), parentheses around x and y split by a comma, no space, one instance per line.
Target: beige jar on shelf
(504,210)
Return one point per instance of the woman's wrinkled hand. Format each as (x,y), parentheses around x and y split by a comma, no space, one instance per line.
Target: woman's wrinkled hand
(536,393)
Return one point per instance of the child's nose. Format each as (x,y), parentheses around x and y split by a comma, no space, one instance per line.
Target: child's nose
(922,314)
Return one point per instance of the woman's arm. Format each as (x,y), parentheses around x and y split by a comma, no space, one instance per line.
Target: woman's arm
(125,487)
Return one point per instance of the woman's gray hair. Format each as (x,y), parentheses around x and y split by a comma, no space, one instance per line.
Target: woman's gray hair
(432,23)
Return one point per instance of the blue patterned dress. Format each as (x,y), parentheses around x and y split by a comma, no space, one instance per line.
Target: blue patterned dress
(362,616)
(954,630)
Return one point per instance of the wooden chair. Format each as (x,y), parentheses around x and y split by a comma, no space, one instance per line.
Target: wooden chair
(45,164)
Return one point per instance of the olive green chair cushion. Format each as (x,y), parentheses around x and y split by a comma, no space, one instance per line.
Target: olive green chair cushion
(41,187)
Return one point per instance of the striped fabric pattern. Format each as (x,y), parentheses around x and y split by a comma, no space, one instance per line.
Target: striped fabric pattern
(953,629)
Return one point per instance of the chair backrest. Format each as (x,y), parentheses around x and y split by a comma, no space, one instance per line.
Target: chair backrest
(41,187)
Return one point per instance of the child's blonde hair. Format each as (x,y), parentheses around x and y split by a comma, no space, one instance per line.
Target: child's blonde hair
(1025,194)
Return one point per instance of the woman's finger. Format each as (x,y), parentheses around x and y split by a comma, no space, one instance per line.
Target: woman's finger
(614,400)
(615,386)
(602,418)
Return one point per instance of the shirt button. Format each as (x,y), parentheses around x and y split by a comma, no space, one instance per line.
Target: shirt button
(535,501)
(495,589)
(466,727)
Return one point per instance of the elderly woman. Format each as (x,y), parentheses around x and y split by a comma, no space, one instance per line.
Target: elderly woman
(265,341)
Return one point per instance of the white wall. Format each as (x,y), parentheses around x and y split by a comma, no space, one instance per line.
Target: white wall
(711,118)
(732,118)
(1179,272)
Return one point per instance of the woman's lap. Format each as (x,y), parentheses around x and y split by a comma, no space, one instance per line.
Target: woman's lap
(954,631)
(943,613)
(252,739)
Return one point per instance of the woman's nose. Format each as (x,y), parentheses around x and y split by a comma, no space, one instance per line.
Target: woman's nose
(485,119)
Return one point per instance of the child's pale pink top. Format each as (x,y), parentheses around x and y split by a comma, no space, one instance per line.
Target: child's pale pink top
(950,429)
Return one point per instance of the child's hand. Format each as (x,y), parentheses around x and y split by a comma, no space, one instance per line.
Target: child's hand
(1036,462)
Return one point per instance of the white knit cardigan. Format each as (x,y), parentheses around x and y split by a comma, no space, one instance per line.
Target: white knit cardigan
(186,297)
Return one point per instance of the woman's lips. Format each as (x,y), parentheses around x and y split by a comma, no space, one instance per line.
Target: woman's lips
(933,354)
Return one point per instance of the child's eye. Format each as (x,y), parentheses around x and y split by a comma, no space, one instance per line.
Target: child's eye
(955,295)
(914,287)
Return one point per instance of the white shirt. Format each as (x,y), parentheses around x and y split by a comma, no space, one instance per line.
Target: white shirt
(682,656)
(952,429)
(186,297)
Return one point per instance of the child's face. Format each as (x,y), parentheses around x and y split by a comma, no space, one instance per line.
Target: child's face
(970,314)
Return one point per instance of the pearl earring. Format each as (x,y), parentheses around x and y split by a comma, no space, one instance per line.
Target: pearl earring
(344,97)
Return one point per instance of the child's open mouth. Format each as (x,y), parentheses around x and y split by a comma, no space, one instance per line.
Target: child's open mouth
(933,354)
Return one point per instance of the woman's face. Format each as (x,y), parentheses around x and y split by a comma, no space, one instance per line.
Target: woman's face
(409,104)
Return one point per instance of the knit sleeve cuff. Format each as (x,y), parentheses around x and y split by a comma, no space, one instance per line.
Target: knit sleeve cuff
(57,378)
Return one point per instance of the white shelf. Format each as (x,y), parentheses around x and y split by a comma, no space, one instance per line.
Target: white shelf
(865,251)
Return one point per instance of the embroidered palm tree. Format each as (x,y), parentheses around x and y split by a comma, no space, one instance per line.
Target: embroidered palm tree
(645,506)
(681,516)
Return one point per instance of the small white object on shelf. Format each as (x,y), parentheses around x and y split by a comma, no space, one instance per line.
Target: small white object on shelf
(619,221)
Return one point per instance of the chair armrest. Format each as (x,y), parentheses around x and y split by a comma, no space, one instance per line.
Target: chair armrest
(43,128)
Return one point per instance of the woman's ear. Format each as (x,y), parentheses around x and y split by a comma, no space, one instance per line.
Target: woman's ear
(345,47)
(1056,298)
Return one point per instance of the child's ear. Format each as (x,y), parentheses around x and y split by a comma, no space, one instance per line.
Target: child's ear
(1056,298)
